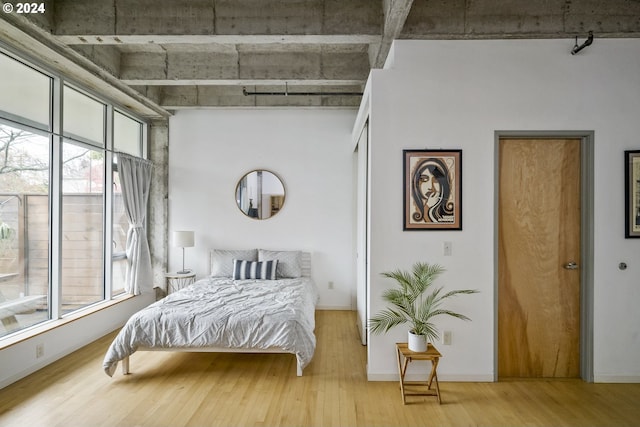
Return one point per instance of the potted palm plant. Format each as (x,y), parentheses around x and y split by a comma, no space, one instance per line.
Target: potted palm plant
(416,302)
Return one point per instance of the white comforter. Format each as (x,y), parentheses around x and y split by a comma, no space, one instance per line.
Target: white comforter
(221,312)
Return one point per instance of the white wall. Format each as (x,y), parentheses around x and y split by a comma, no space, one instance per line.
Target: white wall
(19,360)
(309,149)
(456,94)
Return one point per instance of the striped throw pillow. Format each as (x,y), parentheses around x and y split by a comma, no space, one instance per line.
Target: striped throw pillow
(243,269)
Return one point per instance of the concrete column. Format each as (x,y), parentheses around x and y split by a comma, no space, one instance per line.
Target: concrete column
(158,196)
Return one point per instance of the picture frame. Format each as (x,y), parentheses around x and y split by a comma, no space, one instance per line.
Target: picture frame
(632,193)
(432,189)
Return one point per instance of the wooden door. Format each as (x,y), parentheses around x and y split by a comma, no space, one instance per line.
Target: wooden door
(539,238)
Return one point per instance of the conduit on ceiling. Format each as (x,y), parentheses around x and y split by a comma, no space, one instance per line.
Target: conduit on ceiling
(287,93)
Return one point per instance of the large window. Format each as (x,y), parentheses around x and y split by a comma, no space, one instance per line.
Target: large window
(63,226)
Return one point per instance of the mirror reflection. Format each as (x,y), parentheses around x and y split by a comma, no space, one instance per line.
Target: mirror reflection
(260,194)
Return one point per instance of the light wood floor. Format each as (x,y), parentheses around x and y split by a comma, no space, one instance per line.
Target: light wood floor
(199,389)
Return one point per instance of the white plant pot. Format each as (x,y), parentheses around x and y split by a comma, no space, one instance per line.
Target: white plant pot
(417,343)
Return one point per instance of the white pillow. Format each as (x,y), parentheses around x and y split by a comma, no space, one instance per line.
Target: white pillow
(289,262)
(222,260)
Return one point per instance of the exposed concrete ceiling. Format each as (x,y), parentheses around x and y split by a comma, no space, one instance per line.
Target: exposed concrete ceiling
(203,53)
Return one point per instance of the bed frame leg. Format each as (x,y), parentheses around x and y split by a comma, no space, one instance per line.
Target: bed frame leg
(125,366)
(298,367)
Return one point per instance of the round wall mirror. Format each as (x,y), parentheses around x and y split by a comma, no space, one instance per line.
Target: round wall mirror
(260,194)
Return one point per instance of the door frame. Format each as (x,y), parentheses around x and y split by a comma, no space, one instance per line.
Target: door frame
(586,238)
(362,230)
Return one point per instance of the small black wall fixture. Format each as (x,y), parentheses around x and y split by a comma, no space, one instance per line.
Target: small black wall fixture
(586,43)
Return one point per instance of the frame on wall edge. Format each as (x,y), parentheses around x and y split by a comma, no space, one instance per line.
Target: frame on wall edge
(632,193)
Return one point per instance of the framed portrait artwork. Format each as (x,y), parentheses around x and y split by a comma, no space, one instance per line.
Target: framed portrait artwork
(432,189)
(632,193)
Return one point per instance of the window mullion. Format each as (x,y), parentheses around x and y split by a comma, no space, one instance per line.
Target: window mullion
(55,197)
(108,207)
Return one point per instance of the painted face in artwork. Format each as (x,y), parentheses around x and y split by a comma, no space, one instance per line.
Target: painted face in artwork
(430,187)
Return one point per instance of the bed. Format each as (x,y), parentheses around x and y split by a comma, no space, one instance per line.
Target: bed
(257,301)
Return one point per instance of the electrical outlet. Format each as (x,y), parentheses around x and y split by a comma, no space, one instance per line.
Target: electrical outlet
(446,338)
(330,285)
(39,351)
(447,248)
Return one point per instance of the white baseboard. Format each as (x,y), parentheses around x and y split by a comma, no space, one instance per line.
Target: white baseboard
(334,307)
(441,378)
(616,379)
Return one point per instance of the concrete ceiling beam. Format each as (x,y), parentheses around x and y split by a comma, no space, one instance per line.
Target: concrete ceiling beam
(395,15)
(209,17)
(173,98)
(246,62)
(485,19)
(321,83)
(122,40)
(107,58)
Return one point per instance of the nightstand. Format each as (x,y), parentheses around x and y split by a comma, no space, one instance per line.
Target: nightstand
(177,281)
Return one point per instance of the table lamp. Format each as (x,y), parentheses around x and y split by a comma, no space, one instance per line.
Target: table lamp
(183,239)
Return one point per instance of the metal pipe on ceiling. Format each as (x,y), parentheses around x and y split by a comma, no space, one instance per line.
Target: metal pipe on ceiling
(287,93)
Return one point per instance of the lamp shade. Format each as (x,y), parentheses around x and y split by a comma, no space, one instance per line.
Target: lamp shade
(183,239)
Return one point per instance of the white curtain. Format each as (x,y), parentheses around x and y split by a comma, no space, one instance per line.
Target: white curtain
(135,178)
